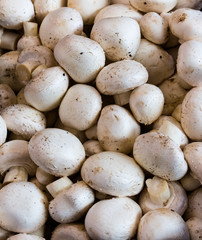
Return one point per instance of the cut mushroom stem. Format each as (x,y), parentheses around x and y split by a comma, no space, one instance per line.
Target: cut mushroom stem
(59,185)
(8,39)
(16,174)
(158,190)
(30,29)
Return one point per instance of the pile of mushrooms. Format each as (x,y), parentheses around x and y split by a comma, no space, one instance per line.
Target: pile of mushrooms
(100,119)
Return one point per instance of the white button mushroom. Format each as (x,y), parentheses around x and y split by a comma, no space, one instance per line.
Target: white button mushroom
(56,151)
(81,57)
(3,131)
(118,10)
(8,39)
(195,227)
(71,204)
(88,8)
(189,183)
(154,5)
(59,23)
(7,96)
(115,218)
(191,114)
(120,77)
(118,36)
(46,90)
(24,208)
(160,156)
(92,147)
(23,120)
(70,231)
(117,129)
(162,224)
(13,14)
(113,173)
(25,236)
(146,103)
(80,107)
(159,64)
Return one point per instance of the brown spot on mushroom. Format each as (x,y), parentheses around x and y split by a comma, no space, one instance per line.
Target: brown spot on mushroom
(182,17)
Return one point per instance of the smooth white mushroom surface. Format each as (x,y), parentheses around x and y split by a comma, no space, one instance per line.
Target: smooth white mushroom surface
(7,96)
(3,131)
(25,236)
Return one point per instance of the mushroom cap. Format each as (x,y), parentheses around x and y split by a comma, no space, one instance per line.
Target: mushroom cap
(70,231)
(80,107)
(45,91)
(162,224)
(15,153)
(160,156)
(7,96)
(71,204)
(118,36)
(56,151)
(113,173)
(13,13)
(117,129)
(121,76)
(115,218)
(25,236)
(80,56)
(195,227)
(23,120)
(3,131)
(118,10)
(23,207)
(59,23)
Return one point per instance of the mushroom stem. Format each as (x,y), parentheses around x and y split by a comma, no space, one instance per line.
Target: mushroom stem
(8,39)
(59,185)
(30,28)
(15,174)
(158,190)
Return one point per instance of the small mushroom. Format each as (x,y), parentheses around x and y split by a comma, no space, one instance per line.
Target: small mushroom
(81,57)
(115,218)
(88,8)
(7,96)
(80,107)
(25,236)
(113,173)
(195,227)
(146,103)
(57,151)
(23,120)
(12,15)
(160,156)
(117,129)
(70,231)
(71,204)
(59,23)
(163,194)
(23,207)
(170,225)
(45,91)
(3,131)
(118,36)
(118,10)
(92,147)
(189,183)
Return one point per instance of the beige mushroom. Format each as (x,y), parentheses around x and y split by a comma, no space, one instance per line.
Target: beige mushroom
(23,120)
(118,36)
(8,39)
(59,23)
(56,151)
(12,15)
(170,225)
(23,207)
(160,156)
(92,147)
(70,231)
(117,129)
(42,8)
(122,99)
(113,173)
(45,91)
(115,218)
(160,193)
(195,227)
(187,4)
(88,8)
(7,96)
(118,10)
(3,131)
(159,64)
(25,236)
(189,183)
(81,57)
(71,204)
(177,112)
(120,77)
(43,177)
(80,107)
(146,103)
(91,133)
